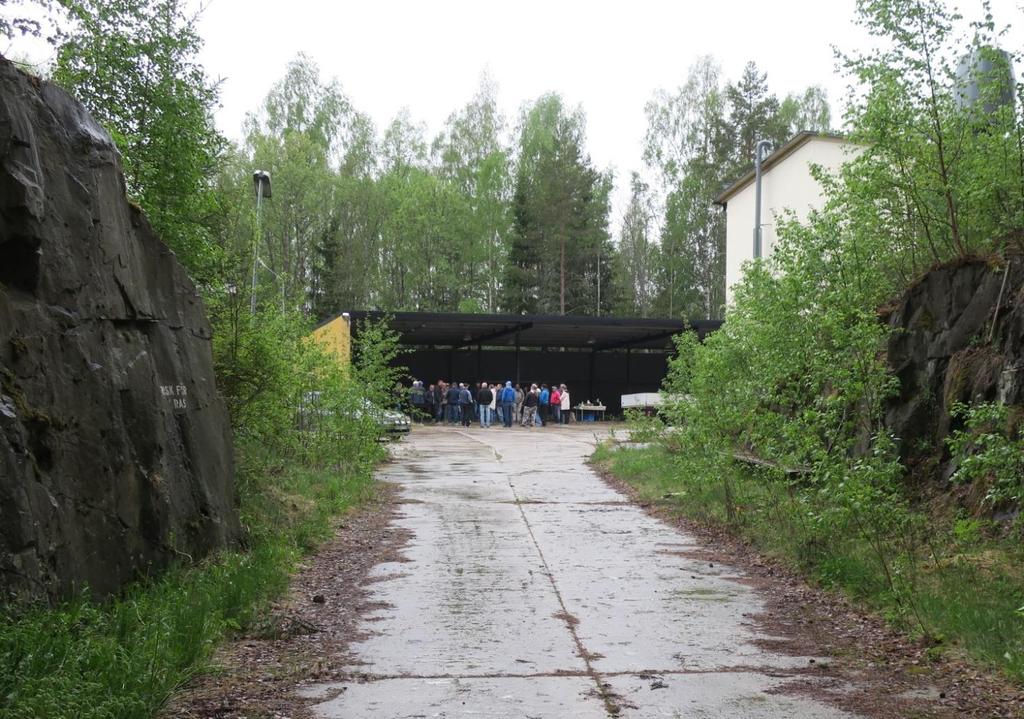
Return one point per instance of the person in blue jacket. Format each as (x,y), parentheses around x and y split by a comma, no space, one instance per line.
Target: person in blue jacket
(508,399)
(454,396)
(542,406)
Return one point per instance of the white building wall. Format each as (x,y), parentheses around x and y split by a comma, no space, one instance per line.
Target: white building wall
(787,184)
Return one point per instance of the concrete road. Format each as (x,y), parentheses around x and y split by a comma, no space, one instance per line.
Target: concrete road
(532,589)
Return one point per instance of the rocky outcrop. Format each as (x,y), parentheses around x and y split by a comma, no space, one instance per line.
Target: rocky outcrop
(115,448)
(957,336)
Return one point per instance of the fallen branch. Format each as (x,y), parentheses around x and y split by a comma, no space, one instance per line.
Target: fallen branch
(753,459)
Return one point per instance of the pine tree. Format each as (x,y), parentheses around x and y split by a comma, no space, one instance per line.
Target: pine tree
(753,112)
(560,219)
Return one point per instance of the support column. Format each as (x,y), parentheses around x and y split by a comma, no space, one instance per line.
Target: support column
(629,379)
(517,380)
(590,379)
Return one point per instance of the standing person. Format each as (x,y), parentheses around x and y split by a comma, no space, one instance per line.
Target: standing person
(474,390)
(439,401)
(483,398)
(508,401)
(556,404)
(495,389)
(517,411)
(418,399)
(498,409)
(428,403)
(542,405)
(566,404)
(530,407)
(466,404)
(454,396)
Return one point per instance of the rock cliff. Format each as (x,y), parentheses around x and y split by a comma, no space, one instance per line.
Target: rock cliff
(957,336)
(115,448)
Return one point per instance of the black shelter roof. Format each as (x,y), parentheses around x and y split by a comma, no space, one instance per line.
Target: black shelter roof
(451,329)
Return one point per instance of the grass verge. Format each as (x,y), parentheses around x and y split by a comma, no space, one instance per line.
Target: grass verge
(124,658)
(965,587)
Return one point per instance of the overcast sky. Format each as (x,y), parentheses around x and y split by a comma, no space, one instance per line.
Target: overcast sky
(609,57)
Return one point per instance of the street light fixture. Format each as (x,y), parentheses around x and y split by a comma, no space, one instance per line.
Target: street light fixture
(261,184)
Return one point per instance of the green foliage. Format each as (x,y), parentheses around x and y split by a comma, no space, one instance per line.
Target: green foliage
(809,111)
(777,420)
(320,153)
(688,143)
(427,261)
(472,156)
(965,600)
(968,531)
(700,138)
(375,369)
(753,115)
(644,427)
(989,450)
(287,394)
(132,64)
(977,608)
(560,219)
(935,179)
(639,256)
(361,221)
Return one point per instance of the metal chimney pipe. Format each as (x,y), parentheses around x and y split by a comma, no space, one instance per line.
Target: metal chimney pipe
(762,148)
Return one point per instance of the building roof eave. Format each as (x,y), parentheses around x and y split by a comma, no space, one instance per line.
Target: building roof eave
(792,145)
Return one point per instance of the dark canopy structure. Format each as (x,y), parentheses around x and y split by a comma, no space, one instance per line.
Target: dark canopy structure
(598,358)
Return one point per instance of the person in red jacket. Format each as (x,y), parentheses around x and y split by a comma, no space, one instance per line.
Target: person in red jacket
(555,403)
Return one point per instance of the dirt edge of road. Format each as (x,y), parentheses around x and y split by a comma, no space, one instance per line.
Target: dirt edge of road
(303,639)
(870,668)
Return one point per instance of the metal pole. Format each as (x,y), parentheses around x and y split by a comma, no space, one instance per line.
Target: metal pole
(599,280)
(629,378)
(256,247)
(590,375)
(518,380)
(759,148)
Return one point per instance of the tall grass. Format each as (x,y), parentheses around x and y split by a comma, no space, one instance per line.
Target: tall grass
(968,592)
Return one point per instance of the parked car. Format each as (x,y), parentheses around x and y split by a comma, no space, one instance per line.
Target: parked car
(388,421)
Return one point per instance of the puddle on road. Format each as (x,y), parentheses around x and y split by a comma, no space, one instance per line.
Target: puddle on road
(707,595)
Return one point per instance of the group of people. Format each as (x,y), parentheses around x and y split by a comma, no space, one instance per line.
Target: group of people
(490,403)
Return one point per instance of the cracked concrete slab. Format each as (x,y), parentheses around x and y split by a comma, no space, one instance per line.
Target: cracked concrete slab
(532,589)
(737,695)
(480,698)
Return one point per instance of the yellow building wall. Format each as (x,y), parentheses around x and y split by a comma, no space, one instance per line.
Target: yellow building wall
(336,338)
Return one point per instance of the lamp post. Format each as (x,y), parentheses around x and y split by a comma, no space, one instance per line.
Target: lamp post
(261,184)
(762,148)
